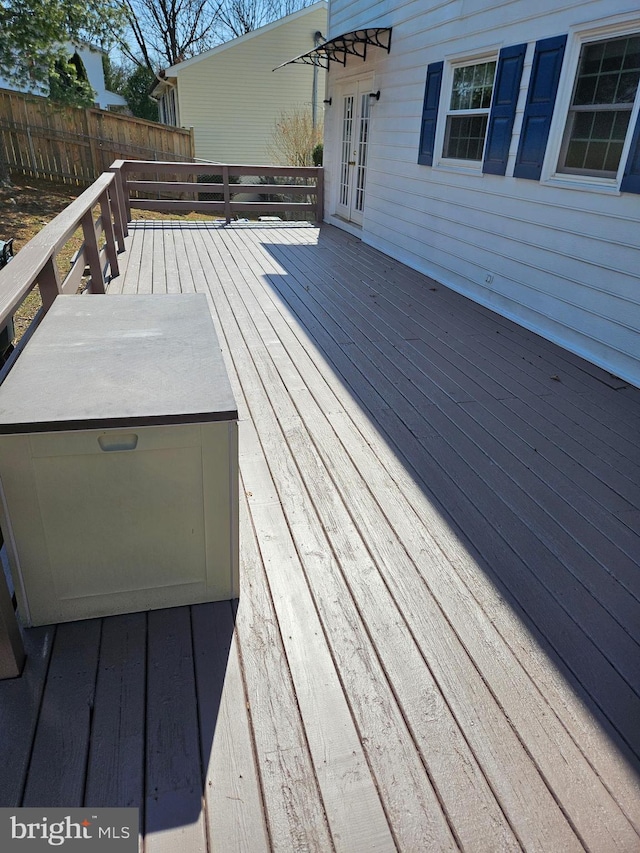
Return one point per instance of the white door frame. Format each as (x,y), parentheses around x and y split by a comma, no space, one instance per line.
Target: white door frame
(353,135)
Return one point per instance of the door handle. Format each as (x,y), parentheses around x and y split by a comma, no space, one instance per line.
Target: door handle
(352,162)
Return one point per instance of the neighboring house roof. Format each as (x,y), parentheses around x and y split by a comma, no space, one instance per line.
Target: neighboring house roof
(91,57)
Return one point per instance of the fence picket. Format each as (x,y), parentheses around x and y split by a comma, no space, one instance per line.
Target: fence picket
(72,145)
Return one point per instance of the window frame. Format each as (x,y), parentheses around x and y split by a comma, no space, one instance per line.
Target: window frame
(552,171)
(451,63)
(168,104)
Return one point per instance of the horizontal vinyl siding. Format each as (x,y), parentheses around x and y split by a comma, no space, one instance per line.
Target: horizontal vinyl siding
(565,262)
(232,99)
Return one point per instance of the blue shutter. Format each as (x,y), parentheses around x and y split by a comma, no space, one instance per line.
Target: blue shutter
(430,113)
(503,109)
(631,180)
(541,98)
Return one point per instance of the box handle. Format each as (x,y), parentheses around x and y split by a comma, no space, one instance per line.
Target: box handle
(126,441)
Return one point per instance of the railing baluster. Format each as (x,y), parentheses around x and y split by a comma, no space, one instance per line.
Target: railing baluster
(125,195)
(320,197)
(49,283)
(107,225)
(227,194)
(92,254)
(117,207)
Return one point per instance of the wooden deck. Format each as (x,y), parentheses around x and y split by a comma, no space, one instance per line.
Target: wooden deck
(436,644)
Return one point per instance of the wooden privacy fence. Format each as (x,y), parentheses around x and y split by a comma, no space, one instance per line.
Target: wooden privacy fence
(302,193)
(47,140)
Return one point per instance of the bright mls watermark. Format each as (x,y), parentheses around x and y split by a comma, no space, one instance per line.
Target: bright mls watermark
(108,830)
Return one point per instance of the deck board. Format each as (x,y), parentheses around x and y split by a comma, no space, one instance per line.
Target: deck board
(58,758)
(369,470)
(436,642)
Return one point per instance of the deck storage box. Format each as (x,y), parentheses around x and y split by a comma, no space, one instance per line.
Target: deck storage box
(119,460)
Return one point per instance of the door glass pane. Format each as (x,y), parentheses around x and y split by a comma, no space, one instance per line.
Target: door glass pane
(347,133)
(363,141)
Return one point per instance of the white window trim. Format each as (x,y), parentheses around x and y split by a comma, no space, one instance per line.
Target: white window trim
(170,92)
(577,37)
(473,167)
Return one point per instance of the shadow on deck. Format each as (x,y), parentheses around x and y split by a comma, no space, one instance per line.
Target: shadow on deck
(436,644)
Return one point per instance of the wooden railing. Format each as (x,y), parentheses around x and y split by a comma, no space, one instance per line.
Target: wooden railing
(114,194)
(99,212)
(304,183)
(35,264)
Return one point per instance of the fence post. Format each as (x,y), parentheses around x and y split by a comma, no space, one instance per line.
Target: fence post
(49,283)
(107,227)
(93,148)
(92,255)
(226,194)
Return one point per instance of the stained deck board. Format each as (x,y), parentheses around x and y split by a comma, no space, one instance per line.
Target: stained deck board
(354,813)
(369,469)
(173,814)
(412,796)
(232,788)
(381,380)
(58,758)
(115,766)
(417,582)
(19,711)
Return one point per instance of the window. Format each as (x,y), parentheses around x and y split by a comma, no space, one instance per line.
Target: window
(468,112)
(599,116)
(168,108)
(478,113)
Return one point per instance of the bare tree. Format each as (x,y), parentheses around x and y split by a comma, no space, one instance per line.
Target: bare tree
(238,17)
(165,32)
(294,138)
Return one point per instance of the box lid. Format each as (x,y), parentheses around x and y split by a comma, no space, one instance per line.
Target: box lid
(100,361)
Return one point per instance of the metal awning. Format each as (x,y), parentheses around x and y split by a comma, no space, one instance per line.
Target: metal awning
(337,49)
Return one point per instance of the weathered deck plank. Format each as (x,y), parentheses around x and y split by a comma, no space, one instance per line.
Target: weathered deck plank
(232,789)
(369,468)
(453,417)
(19,710)
(115,767)
(436,645)
(173,815)
(59,754)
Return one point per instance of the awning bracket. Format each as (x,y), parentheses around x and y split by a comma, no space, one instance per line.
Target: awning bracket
(349,44)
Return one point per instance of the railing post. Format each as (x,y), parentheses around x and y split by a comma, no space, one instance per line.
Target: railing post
(227,194)
(91,252)
(126,201)
(320,196)
(116,193)
(107,225)
(49,283)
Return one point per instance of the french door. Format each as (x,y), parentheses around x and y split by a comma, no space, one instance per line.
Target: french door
(355,118)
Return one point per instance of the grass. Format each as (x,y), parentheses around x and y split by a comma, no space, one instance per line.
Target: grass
(26,206)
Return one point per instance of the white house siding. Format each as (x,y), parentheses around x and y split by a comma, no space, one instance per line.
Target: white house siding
(232,97)
(565,261)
